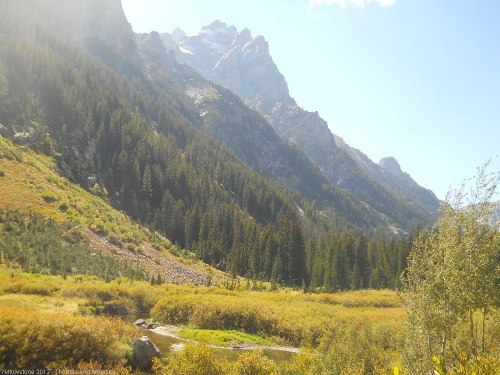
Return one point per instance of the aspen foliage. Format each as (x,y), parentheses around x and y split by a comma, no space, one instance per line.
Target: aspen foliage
(451,284)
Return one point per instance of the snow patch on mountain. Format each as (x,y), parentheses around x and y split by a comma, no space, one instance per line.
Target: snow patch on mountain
(217,47)
(184,50)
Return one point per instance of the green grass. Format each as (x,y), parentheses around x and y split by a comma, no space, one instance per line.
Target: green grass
(223,337)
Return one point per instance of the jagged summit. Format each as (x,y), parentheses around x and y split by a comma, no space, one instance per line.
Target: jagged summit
(219,27)
(243,38)
(235,60)
(391,164)
(178,34)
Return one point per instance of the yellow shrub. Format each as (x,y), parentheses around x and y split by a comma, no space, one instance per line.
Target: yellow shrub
(194,359)
(34,339)
(254,362)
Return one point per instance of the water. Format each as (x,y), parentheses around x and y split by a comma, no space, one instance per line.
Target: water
(164,343)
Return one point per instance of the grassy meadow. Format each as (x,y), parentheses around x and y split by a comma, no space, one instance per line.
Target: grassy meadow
(361,329)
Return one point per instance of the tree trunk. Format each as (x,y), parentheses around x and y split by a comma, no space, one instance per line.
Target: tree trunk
(482,333)
(472,335)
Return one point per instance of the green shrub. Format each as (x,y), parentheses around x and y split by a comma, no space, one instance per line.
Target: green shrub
(63,206)
(35,288)
(49,196)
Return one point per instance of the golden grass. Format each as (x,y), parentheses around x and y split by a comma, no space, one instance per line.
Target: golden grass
(43,303)
(347,334)
(288,318)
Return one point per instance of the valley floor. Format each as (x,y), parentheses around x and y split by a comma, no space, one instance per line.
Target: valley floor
(57,313)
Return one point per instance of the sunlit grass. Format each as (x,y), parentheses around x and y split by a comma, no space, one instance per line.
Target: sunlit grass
(223,337)
(224,317)
(64,339)
(45,303)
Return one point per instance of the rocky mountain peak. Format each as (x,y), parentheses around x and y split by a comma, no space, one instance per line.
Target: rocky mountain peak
(152,40)
(258,45)
(243,38)
(219,27)
(169,41)
(177,34)
(236,60)
(391,165)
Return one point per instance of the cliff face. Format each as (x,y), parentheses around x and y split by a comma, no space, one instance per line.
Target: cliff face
(388,172)
(235,60)
(391,165)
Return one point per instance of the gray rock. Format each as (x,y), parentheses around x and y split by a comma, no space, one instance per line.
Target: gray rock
(3,130)
(144,352)
(178,35)
(140,322)
(92,180)
(23,137)
(151,326)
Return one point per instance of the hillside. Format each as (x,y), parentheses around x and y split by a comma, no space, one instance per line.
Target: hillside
(84,234)
(167,189)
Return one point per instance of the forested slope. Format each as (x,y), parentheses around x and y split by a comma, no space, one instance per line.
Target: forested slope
(139,143)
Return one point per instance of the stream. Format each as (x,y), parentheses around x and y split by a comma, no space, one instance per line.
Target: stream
(164,343)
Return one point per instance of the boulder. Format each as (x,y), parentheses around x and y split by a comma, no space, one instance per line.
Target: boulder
(151,326)
(144,351)
(140,322)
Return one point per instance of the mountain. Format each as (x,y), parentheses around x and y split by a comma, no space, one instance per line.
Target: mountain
(388,173)
(392,166)
(249,134)
(237,61)
(243,64)
(177,154)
